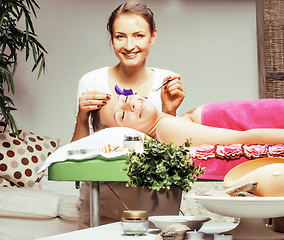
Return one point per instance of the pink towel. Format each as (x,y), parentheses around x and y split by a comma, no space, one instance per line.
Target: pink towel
(243,115)
(239,115)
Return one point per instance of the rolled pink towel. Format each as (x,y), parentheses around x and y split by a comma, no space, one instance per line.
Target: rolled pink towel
(244,114)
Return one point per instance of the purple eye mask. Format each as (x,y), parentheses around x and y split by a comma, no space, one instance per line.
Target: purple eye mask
(125,92)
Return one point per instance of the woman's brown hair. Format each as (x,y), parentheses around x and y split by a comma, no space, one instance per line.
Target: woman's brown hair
(132,7)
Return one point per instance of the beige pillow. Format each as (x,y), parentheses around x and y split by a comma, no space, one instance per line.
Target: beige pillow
(21,157)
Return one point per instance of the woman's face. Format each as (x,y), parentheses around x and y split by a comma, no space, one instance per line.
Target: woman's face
(129,111)
(132,39)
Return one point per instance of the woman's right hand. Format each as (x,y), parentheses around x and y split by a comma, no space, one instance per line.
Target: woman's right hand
(91,100)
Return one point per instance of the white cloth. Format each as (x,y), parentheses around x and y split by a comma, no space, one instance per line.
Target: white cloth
(98,80)
(90,146)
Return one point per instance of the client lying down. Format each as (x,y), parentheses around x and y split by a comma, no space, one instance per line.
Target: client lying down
(136,112)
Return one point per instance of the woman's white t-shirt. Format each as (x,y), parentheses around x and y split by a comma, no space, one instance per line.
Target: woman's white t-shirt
(98,80)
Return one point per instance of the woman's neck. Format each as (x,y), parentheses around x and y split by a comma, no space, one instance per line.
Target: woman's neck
(139,79)
(153,131)
(131,75)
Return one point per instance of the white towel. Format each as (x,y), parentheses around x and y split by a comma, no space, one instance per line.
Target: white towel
(88,147)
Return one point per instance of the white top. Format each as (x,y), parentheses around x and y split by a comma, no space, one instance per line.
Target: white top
(98,80)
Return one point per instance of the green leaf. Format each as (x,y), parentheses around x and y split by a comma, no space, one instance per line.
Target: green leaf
(2,20)
(29,23)
(34,51)
(27,29)
(31,4)
(42,67)
(37,61)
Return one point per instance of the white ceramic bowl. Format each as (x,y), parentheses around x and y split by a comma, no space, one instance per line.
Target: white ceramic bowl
(193,222)
(243,207)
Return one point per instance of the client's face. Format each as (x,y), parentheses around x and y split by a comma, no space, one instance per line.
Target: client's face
(129,111)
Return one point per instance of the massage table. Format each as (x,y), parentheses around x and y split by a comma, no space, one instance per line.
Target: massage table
(254,114)
(101,169)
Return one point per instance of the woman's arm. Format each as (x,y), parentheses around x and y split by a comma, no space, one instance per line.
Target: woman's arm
(178,129)
(81,129)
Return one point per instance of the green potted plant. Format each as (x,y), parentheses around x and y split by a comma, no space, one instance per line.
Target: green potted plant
(162,171)
(13,39)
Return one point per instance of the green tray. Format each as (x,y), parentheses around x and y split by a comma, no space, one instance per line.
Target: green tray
(95,169)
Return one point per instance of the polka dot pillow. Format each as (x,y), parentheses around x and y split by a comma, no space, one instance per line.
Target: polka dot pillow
(21,157)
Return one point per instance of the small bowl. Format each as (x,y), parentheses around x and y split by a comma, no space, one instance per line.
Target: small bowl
(193,222)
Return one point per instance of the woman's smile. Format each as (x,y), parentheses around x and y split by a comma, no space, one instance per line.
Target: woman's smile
(130,55)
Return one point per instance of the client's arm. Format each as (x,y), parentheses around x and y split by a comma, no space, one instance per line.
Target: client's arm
(178,129)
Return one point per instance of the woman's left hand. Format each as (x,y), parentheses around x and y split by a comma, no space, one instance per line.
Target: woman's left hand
(172,94)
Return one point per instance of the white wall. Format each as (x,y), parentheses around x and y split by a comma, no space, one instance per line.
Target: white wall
(211,43)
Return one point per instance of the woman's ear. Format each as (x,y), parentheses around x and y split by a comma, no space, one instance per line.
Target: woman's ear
(153,37)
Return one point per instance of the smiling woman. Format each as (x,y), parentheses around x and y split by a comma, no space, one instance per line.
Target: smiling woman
(130,111)
(132,32)
(138,113)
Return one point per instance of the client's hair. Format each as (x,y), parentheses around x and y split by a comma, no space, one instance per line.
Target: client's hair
(96,120)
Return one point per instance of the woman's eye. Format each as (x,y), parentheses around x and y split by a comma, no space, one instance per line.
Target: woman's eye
(126,99)
(119,36)
(139,36)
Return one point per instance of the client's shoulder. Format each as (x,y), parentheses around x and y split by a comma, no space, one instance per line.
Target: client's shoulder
(163,131)
(168,127)
(194,115)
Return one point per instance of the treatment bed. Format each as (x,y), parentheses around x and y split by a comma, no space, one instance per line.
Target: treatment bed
(84,164)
